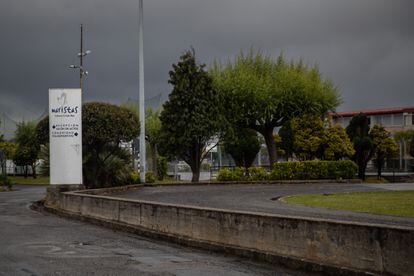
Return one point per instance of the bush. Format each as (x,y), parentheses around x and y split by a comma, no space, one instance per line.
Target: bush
(257,173)
(135,177)
(225,174)
(162,167)
(306,170)
(149,177)
(237,174)
(313,170)
(6,182)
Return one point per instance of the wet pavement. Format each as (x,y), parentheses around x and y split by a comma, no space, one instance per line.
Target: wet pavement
(33,243)
(263,199)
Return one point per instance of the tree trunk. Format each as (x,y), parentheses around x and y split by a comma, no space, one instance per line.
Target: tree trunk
(361,169)
(379,172)
(380,163)
(361,173)
(196,162)
(270,144)
(196,175)
(34,170)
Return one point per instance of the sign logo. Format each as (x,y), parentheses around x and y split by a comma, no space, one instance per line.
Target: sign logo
(64,108)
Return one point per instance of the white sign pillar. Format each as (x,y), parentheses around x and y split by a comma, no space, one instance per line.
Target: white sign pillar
(65,136)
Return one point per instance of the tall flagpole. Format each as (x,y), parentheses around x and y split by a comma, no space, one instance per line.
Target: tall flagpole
(142,154)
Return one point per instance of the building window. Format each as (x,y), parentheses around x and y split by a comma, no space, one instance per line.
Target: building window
(398,119)
(386,120)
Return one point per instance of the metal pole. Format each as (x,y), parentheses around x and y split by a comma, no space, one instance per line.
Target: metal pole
(81,60)
(142,153)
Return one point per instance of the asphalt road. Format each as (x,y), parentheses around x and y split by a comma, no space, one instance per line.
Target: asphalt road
(33,243)
(261,198)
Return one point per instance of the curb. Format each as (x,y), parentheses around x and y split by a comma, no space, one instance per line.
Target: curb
(286,261)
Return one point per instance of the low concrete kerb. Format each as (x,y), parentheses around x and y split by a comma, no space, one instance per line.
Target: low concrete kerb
(324,245)
(86,193)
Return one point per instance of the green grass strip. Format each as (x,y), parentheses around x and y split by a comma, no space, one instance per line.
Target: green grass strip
(397,203)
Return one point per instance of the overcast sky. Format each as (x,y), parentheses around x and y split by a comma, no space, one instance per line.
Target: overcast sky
(365,46)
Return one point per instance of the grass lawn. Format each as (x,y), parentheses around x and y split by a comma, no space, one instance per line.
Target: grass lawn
(30,180)
(398,203)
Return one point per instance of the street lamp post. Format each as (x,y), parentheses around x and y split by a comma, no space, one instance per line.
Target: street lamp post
(142,153)
(81,55)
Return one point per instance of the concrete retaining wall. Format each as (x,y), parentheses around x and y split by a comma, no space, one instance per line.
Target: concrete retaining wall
(330,244)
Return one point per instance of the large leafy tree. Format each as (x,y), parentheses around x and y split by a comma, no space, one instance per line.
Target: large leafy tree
(384,146)
(243,145)
(27,146)
(358,132)
(309,137)
(261,93)
(192,114)
(104,127)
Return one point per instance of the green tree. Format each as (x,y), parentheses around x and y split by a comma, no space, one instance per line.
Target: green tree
(261,93)
(384,146)
(27,146)
(162,167)
(192,115)
(243,145)
(337,144)
(358,132)
(308,137)
(7,152)
(104,127)
(286,139)
(152,135)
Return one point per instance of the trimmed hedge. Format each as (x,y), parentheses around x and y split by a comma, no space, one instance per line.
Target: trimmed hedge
(306,170)
(344,169)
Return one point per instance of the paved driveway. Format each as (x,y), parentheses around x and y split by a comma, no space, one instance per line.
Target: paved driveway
(261,198)
(33,243)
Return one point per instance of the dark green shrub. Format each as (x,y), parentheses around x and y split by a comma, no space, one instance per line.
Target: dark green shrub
(315,169)
(346,169)
(149,177)
(224,174)
(257,173)
(239,174)
(306,170)
(135,178)
(162,167)
(6,182)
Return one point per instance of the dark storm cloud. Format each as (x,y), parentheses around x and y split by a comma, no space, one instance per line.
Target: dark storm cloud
(364,46)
